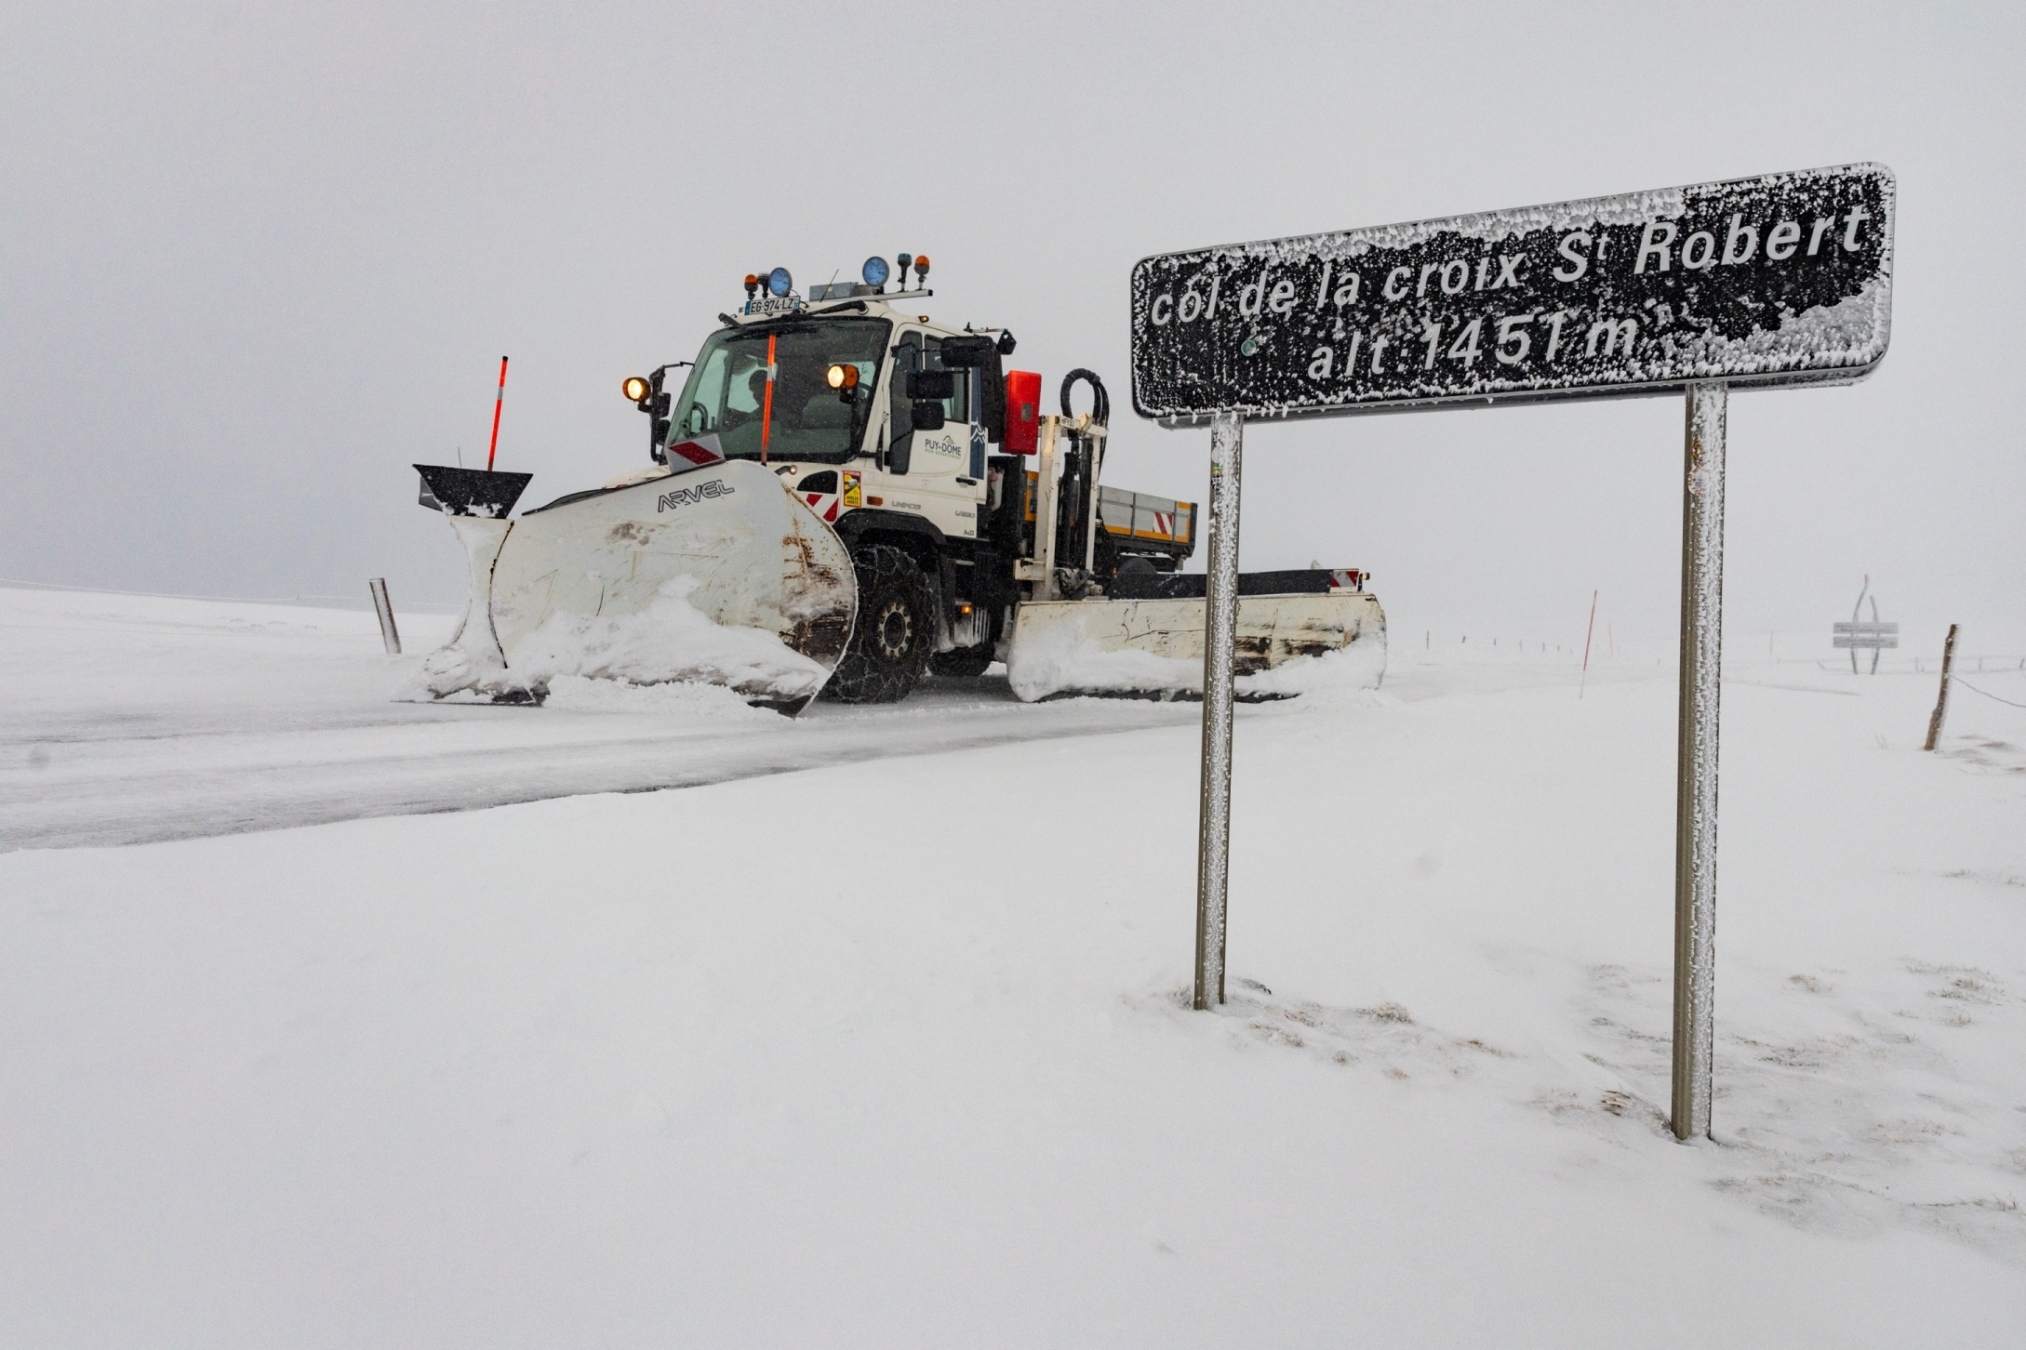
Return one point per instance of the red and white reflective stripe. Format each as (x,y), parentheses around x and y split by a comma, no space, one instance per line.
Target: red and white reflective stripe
(1347,579)
(703,450)
(1164,521)
(824,504)
(498,402)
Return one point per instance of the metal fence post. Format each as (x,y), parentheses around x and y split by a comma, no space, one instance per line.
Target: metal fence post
(384,607)
(1220,633)
(1695,812)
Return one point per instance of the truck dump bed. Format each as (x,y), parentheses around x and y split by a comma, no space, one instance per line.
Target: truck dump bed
(1145,519)
(1137,522)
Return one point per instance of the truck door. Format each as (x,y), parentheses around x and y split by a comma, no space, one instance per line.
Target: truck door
(945,479)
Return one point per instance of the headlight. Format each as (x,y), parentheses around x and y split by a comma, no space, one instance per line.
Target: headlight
(841,376)
(636,389)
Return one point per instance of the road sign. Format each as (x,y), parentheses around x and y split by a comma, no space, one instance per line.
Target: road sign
(1784,279)
(1865,635)
(1781,279)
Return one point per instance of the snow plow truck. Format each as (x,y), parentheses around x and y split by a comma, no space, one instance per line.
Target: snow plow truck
(843,497)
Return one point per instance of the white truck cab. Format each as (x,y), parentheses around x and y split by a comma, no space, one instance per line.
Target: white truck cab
(820,393)
(850,403)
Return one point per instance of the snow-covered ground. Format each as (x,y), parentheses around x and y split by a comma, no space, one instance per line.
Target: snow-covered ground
(142,719)
(894,1049)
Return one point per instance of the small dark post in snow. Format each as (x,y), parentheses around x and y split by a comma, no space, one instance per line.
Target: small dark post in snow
(384,607)
(1702,545)
(1942,699)
(1588,633)
(1220,633)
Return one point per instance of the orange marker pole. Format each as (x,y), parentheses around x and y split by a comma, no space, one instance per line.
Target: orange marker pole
(498,401)
(767,399)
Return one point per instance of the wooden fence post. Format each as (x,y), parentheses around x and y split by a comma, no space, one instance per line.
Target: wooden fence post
(1942,701)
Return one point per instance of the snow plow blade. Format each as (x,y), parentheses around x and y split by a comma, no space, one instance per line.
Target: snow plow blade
(718,574)
(1297,632)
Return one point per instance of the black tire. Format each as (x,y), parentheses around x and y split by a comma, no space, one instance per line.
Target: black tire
(1104,562)
(964,663)
(895,632)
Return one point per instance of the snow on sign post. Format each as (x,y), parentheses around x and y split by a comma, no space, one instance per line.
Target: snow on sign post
(1784,279)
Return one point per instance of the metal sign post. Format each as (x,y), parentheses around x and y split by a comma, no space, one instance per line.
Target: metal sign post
(1859,636)
(1784,279)
(1220,589)
(390,636)
(1702,623)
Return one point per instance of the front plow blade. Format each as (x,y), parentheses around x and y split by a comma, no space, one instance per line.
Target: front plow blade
(1153,648)
(719,575)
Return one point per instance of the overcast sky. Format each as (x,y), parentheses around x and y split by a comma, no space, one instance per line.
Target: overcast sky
(257,259)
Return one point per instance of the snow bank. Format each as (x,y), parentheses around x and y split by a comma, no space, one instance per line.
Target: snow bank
(1351,672)
(670,641)
(1064,658)
(457,672)
(713,702)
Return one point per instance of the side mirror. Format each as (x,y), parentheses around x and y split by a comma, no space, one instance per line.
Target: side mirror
(657,408)
(966,353)
(928,384)
(927,413)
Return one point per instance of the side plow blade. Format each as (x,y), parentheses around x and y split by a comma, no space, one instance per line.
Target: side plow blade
(1152,647)
(717,575)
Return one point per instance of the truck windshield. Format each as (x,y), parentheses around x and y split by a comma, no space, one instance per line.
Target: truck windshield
(727,392)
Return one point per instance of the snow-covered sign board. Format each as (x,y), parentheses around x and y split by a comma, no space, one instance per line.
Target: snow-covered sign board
(1782,279)
(1860,636)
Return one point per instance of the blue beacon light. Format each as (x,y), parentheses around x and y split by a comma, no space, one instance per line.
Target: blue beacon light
(874,272)
(779,282)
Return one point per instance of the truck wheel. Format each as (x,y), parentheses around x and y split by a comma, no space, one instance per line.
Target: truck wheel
(962,664)
(895,632)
